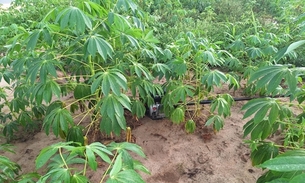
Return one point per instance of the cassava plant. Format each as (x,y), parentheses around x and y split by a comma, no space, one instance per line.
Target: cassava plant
(192,77)
(90,53)
(61,160)
(284,159)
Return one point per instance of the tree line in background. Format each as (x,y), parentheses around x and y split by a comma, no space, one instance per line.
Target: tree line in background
(107,55)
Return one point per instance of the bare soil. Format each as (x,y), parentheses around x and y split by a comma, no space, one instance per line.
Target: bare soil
(173,156)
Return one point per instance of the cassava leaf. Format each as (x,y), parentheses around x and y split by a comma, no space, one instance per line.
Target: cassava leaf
(177,115)
(74,18)
(117,166)
(289,49)
(263,153)
(213,78)
(291,161)
(97,44)
(260,107)
(190,126)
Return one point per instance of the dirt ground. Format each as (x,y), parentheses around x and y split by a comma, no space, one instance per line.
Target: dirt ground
(173,156)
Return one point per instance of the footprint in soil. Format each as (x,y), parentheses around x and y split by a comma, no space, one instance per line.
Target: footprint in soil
(29,151)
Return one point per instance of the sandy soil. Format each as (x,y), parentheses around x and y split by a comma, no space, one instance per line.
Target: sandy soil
(173,156)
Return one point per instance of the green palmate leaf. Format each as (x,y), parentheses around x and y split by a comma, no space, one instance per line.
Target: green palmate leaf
(56,175)
(101,150)
(263,153)
(33,39)
(148,54)
(254,39)
(95,9)
(149,37)
(160,69)
(45,155)
(289,49)
(260,108)
(259,131)
(96,43)
(255,52)
(141,71)
(233,83)
(82,91)
(74,18)
(113,124)
(270,50)
(75,134)
(111,80)
(292,80)
(77,178)
(178,66)
(9,169)
(107,126)
(298,178)
(234,64)
(222,105)
(213,78)
(208,57)
(117,166)
(138,23)
(29,178)
(138,108)
(290,161)
(217,122)
(91,158)
(125,5)
(10,128)
(146,90)
(47,36)
(139,166)
(18,104)
(59,119)
(269,75)
(127,146)
(44,67)
(181,92)
(6,147)
(66,159)
(131,39)
(128,175)
(55,104)
(111,106)
(119,22)
(168,54)
(190,126)
(127,160)
(277,177)
(177,116)
(6,75)
(237,45)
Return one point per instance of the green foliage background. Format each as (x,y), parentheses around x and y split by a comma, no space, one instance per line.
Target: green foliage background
(108,55)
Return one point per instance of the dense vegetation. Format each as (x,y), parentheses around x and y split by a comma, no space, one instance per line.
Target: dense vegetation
(108,55)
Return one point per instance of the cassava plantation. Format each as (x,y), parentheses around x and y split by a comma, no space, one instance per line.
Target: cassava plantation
(157,91)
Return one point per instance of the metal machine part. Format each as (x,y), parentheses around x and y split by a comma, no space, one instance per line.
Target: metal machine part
(156,112)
